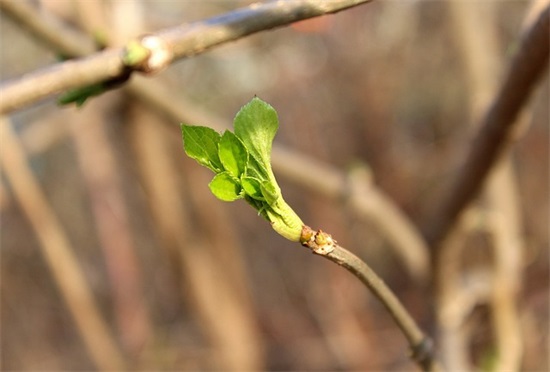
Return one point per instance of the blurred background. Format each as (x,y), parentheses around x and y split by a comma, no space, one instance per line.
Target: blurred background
(174,279)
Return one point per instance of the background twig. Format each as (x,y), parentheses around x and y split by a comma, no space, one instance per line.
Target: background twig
(497,129)
(58,253)
(360,193)
(178,42)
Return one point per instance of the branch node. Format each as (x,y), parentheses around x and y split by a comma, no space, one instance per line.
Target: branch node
(150,54)
(319,242)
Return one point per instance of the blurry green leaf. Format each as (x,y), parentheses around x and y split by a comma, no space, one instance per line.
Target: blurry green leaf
(201,144)
(225,187)
(233,155)
(80,95)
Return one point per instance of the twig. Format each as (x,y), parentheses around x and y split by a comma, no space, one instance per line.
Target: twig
(58,253)
(163,48)
(367,200)
(364,198)
(43,26)
(474,29)
(323,245)
(497,130)
(97,161)
(504,229)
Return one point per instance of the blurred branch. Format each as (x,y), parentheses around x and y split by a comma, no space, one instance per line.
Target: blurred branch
(323,245)
(363,197)
(49,29)
(497,129)
(163,47)
(505,233)
(474,28)
(214,276)
(98,165)
(58,253)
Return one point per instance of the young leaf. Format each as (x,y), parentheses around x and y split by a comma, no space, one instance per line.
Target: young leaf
(242,162)
(233,154)
(201,144)
(225,187)
(254,169)
(256,125)
(270,192)
(252,188)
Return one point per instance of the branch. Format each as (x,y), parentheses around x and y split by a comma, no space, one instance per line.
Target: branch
(497,129)
(58,253)
(362,196)
(323,245)
(364,199)
(161,48)
(50,30)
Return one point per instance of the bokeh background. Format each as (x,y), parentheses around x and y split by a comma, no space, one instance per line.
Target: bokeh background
(183,281)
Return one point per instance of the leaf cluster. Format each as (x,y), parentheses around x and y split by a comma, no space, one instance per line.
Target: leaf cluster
(241,162)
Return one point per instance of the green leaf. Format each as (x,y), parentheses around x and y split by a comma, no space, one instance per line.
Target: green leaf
(233,154)
(242,162)
(270,192)
(225,187)
(79,95)
(256,124)
(252,188)
(201,144)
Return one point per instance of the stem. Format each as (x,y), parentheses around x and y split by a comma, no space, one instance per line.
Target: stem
(59,254)
(368,203)
(421,345)
(171,44)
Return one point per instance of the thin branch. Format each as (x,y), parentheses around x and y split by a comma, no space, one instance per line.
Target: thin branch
(332,183)
(58,253)
(497,129)
(50,30)
(104,189)
(474,30)
(364,198)
(164,47)
(421,346)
